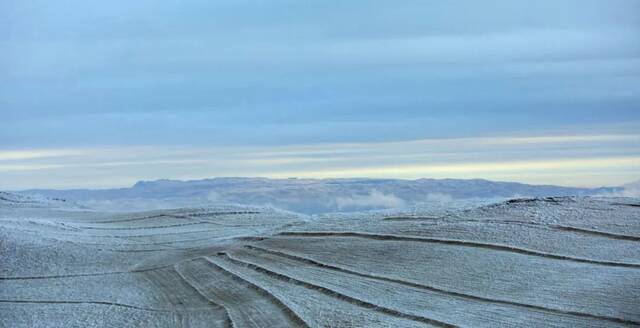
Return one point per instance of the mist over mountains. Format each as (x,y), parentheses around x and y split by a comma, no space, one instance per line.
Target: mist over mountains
(310,196)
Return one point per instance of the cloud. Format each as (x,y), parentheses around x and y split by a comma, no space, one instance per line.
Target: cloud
(553,159)
(631,190)
(439,198)
(214,197)
(628,190)
(349,82)
(36,154)
(375,199)
(469,169)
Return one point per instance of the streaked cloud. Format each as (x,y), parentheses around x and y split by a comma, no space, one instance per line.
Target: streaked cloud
(34,154)
(104,94)
(491,157)
(469,170)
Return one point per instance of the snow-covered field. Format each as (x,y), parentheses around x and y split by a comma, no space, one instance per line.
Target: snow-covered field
(545,262)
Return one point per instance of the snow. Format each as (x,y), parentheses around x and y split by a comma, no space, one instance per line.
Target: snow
(561,262)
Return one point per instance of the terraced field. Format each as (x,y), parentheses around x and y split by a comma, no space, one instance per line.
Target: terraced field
(557,262)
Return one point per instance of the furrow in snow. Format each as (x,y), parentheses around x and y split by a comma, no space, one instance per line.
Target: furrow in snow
(247,304)
(464,243)
(338,295)
(84,302)
(435,289)
(228,322)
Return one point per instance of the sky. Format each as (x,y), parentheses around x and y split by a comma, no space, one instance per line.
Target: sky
(98,94)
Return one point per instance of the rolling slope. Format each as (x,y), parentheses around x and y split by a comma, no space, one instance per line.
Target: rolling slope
(547,262)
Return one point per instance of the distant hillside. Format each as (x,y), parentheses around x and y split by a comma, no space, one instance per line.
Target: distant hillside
(307,195)
(14,200)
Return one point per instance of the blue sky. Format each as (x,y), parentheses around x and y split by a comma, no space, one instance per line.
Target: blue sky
(102,94)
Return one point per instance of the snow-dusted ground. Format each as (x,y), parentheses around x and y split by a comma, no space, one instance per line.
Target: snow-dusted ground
(556,262)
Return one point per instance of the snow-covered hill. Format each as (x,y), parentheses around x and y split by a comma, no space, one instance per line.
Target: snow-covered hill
(543,262)
(14,200)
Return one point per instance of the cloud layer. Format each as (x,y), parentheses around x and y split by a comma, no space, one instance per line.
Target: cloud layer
(144,89)
(574,160)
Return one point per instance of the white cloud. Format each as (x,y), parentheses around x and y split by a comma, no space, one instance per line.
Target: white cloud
(631,190)
(439,198)
(374,199)
(10,155)
(513,158)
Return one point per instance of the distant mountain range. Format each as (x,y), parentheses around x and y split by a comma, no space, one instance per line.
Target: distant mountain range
(308,195)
